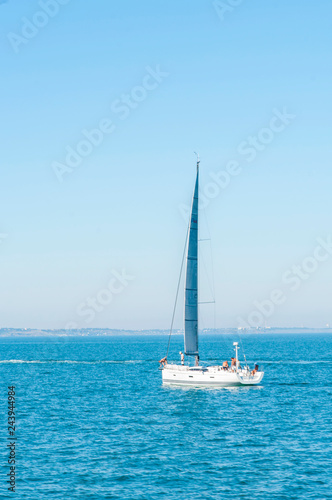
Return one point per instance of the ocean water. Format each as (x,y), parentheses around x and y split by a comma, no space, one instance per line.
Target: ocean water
(94,422)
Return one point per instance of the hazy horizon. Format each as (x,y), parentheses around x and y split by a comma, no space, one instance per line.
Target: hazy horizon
(165,331)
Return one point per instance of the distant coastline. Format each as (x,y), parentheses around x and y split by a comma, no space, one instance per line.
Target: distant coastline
(108,332)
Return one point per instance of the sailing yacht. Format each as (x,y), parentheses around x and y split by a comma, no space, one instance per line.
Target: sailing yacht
(198,375)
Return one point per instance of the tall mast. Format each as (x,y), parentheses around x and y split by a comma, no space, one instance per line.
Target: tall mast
(198,161)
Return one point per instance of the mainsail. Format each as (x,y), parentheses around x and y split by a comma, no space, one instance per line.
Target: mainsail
(191,294)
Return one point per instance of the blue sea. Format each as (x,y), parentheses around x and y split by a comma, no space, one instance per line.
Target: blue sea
(93,420)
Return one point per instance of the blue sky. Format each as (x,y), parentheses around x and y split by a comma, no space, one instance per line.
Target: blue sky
(224,76)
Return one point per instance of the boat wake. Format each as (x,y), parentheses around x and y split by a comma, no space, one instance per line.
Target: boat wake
(72,362)
(301,362)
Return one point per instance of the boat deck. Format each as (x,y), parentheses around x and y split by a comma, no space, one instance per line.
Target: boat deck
(209,375)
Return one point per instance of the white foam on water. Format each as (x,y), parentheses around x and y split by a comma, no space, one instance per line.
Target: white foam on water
(301,362)
(4,361)
(68,361)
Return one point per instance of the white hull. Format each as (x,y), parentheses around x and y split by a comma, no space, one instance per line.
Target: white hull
(208,376)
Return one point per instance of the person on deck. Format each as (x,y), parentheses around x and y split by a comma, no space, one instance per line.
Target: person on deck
(163,361)
(233,363)
(255,370)
(182,357)
(225,365)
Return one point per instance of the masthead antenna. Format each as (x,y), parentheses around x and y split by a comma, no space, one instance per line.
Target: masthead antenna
(198,160)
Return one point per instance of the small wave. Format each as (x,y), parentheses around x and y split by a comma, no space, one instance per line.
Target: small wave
(301,362)
(141,361)
(71,362)
(5,361)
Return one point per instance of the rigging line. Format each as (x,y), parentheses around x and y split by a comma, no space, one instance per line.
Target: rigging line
(213,280)
(212,288)
(211,255)
(177,292)
(207,275)
(203,323)
(245,359)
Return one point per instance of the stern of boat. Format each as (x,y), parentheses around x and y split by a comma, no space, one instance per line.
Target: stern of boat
(248,379)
